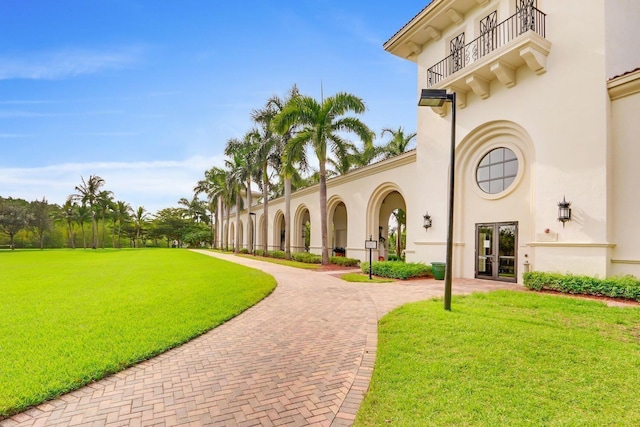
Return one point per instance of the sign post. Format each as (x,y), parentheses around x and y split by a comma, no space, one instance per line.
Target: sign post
(371,245)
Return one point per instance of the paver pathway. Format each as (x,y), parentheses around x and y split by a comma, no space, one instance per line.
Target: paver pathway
(302,356)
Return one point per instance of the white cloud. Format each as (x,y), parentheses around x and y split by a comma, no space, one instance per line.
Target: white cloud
(153,184)
(61,64)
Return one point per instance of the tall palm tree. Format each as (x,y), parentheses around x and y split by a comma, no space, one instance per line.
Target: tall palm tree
(242,167)
(214,186)
(104,201)
(139,218)
(82,214)
(288,170)
(398,143)
(87,193)
(67,214)
(121,213)
(322,125)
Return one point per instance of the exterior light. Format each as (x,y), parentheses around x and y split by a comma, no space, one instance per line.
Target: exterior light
(437,98)
(432,98)
(564,211)
(427,222)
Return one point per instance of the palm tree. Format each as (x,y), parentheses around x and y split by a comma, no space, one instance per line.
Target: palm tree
(104,201)
(193,208)
(121,212)
(139,217)
(288,172)
(242,167)
(398,143)
(214,186)
(67,214)
(82,214)
(87,193)
(321,127)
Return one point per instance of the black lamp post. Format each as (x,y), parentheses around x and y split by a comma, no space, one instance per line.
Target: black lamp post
(437,98)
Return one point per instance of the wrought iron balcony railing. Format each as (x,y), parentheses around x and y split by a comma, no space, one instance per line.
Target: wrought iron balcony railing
(526,19)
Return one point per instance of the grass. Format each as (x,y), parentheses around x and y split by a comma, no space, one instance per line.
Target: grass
(288,263)
(359,277)
(70,317)
(506,358)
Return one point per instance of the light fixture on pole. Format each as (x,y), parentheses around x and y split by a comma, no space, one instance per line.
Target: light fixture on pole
(437,98)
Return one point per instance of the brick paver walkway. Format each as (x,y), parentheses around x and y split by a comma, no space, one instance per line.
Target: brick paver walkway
(302,356)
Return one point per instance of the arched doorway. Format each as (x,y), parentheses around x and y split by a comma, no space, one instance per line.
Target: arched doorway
(231,239)
(337,222)
(387,219)
(302,230)
(278,231)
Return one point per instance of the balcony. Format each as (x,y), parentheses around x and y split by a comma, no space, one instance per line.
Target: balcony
(496,54)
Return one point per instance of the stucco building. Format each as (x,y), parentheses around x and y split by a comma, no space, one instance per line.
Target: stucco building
(547,111)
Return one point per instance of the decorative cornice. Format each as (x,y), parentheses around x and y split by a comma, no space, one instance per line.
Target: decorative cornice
(624,85)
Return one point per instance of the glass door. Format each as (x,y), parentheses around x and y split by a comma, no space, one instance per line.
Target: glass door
(496,251)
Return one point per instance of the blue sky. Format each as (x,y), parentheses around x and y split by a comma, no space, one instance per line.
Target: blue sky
(146,93)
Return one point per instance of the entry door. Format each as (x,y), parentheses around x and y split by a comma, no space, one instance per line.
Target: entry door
(496,251)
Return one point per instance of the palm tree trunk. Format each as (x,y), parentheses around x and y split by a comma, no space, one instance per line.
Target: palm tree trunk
(265,202)
(250,229)
(227,209)
(287,217)
(236,247)
(323,213)
(72,243)
(217,227)
(84,239)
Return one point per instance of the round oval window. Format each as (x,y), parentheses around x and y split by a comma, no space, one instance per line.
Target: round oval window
(497,170)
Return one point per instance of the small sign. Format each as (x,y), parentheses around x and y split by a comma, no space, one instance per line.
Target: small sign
(371,244)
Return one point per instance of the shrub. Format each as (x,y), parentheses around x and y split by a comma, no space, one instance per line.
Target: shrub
(343,261)
(627,287)
(260,252)
(307,257)
(277,254)
(244,251)
(398,269)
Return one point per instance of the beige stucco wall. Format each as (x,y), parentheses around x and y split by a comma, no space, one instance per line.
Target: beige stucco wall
(626,178)
(623,36)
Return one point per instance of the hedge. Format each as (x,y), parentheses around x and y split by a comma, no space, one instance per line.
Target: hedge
(398,269)
(344,261)
(307,257)
(627,287)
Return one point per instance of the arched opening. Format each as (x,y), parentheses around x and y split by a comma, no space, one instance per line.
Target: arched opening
(337,222)
(259,237)
(231,239)
(302,230)
(386,221)
(278,231)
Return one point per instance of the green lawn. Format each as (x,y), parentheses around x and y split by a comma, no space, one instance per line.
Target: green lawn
(506,358)
(361,277)
(69,317)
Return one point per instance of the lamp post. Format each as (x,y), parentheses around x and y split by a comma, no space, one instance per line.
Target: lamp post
(437,98)
(253,232)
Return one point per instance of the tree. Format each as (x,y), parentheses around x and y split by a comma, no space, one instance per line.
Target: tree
(67,214)
(321,127)
(14,217)
(82,214)
(121,213)
(242,167)
(398,143)
(194,209)
(88,193)
(139,218)
(104,202)
(288,170)
(170,223)
(214,185)
(40,219)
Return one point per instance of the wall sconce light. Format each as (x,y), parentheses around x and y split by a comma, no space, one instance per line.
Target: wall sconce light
(564,211)
(426,222)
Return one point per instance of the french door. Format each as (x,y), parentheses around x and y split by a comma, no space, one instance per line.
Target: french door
(497,251)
